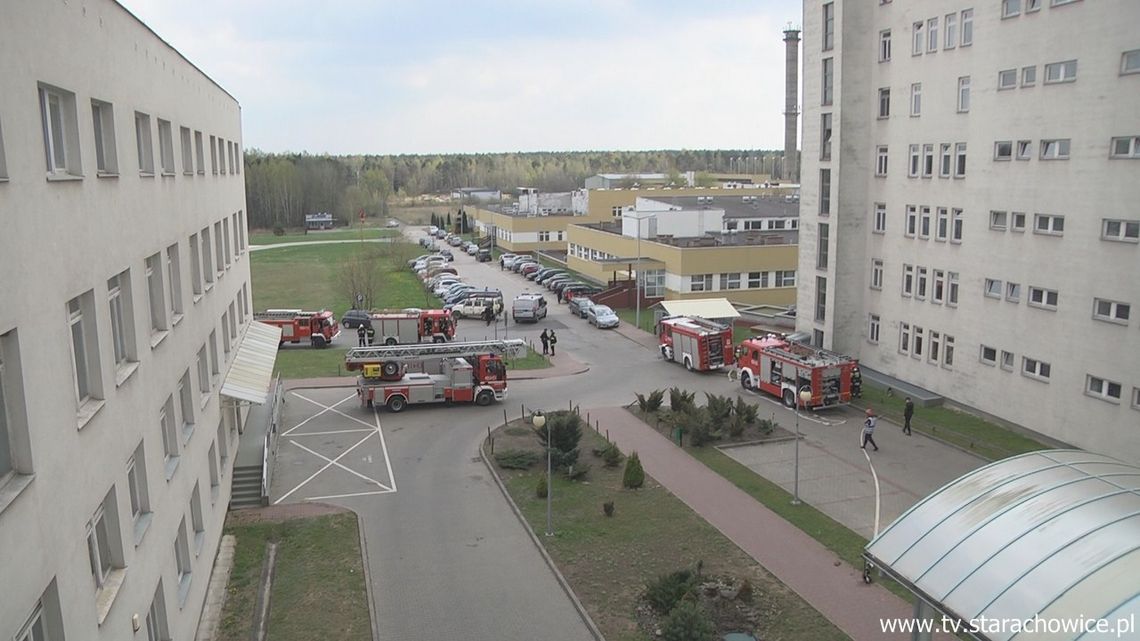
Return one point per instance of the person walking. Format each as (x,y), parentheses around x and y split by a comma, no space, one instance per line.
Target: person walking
(553,342)
(545,338)
(908,413)
(361,333)
(488,314)
(869,430)
(371,334)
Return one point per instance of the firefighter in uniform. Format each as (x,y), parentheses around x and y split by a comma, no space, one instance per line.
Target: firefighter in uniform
(371,332)
(361,333)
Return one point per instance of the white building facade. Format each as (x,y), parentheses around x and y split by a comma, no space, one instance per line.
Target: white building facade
(969,218)
(125,298)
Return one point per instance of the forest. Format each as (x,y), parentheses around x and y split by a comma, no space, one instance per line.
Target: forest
(282,188)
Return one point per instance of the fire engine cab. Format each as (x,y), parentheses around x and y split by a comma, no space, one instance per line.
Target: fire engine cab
(412,326)
(398,375)
(319,328)
(700,345)
(782,368)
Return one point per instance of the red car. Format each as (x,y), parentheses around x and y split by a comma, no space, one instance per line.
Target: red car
(533,267)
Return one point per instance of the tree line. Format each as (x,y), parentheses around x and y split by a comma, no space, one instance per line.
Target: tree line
(282,188)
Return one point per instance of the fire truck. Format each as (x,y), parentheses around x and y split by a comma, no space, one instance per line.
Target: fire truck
(700,345)
(319,328)
(412,326)
(783,368)
(398,375)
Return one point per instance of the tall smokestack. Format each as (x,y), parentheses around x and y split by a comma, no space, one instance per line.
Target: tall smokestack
(790,168)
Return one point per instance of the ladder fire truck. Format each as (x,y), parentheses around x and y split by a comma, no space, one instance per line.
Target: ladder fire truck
(700,345)
(398,375)
(784,368)
(320,328)
(427,325)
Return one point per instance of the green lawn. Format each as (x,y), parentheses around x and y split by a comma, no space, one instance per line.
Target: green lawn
(532,360)
(629,315)
(369,233)
(318,591)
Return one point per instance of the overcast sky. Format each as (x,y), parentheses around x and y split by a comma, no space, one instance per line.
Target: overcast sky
(428,76)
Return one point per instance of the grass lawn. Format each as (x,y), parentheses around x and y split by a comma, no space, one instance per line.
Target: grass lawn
(609,560)
(318,591)
(532,360)
(629,315)
(267,238)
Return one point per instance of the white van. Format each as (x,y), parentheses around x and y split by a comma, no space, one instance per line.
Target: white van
(528,307)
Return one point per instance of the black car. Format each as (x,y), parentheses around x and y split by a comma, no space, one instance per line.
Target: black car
(483,256)
(447,254)
(354,318)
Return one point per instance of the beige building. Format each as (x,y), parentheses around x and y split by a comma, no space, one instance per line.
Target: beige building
(126,301)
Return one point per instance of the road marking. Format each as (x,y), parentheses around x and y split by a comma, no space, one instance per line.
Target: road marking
(327,466)
(345,496)
(807,417)
(327,408)
(331,432)
(384,448)
(343,467)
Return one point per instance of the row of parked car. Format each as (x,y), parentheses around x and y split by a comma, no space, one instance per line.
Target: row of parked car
(565,286)
(463,299)
(466,246)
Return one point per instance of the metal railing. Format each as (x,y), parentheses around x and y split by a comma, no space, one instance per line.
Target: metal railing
(269,445)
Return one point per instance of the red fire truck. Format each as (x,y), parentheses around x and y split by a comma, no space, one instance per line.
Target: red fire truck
(412,326)
(700,345)
(398,375)
(319,328)
(784,368)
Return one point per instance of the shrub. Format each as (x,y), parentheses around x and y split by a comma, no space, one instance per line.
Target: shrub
(687,622)
(565,429)
(680,400)
(745,592)
(279,231)
(664,592)
(718,407)
(642,402)
(656,398)
(746,412)
(736,426)
(634,475)
(608,508)
(540,488)
(612,456)
(516,459)
(701,428)
(577,472)
(765,426)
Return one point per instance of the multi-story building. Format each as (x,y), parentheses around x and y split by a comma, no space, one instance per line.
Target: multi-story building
(126,300)
(969,220)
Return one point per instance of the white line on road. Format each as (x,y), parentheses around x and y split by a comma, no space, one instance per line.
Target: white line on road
(332,432)
(343,467)
(327,408)
(345,496)
(327,466)
(384,448)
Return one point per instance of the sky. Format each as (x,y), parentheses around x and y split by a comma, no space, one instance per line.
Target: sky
(482,76)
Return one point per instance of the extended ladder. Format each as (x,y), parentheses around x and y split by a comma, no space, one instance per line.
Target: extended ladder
(358,356)
(284,314)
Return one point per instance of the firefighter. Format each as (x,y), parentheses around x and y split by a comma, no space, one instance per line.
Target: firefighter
(361,333)
(371,332)
(488,314)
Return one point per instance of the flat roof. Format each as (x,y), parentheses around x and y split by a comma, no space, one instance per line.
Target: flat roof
(737,206)
(727,239)
(708,308)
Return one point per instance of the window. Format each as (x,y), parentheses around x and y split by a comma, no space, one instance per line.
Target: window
(988,355)
(215,366)
(700,283)
(158,321)
(785,278)
(924,223)
(1041,297)
(828,26)
(1046,224)
(104,546)
(1013,292)
(215,480)
(182,562)
(828,79)
(932,35)
(730,280)
(1129,60)
(84,348)
(908,280)
(947,351)
(616,211)
(757,280)
(880,226)
(1120,230)
(904,338)
(203,374)
(927,161)
(885,45)
(993,288)
(174,276)
(920,290)
(963,94)
(223,445)
(1007,79)
(139,492)
(820,299)
(935,352)
(1029,76)
(911,221)
(951,39)
(166,147)
(825,136)
(1017,222)
(1024,149)
(195,267)
(3,163)
(1010,8)
(1126,147)
(1056,72)
(186,405)
(1032,5)
(955,225)
(1111,311)
(916,350)
(916,99)
(157,628)
(873,329)
(143,144)
(918,40)
(1003,150)
(824,192)
(222,155)
(61,132)
(653,283)
(877,273)
(1007,360)
(960,160)
(196,520)
(230,147)
(122,320)
(213,156)
(1136,398)
(998,220)
(1103,389)
(1034,368)
(106,158)
(169,434)
(199,154)
(944,163)
(881,160)
(967,27)
(15,456)
(207,257)
(942,229)
(952,289)
(219,251)
(913,167)
(885,102)
(938,294)
(543,236)
(822,246)
(187,151)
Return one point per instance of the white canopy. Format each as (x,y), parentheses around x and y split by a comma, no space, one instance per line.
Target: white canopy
(709,308)
(248,378)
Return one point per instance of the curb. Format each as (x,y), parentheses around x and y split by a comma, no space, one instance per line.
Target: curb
(585,616)
(367,577)
(582,370)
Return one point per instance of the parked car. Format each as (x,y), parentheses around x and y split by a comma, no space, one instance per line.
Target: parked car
(602,317)
(520,262)
(505,257)
(393,222)
(578,306)
(441,289)
(455,241)
(419,258)
(544,274)
(354,318)
(483,255)
(472,249)
(530,268)
(528,307)
(553,281)
(473,305)
(448,255)
(432,230)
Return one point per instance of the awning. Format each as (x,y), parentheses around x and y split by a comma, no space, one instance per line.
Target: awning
(708,308)
(248,378)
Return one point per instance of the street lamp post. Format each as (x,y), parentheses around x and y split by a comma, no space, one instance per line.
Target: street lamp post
(539,420)
(637,280)
(803,395)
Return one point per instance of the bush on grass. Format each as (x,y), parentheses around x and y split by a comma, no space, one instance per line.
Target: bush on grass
(612,456)
(541,488)
(634,475)
(516,459)
(667,590)
(687,622)
(565,429)
(655,400)
(608,508)
(680,400)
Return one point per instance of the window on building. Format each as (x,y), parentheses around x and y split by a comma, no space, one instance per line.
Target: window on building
(993,288)
(1120,230)
(1103,389)
(927,161)
(952,289)
(908,280)
(757,280)
(195,267)
(157,627)
(1111,311)
(951,39)
(1013,292)
(938,290)
(169,431)
(106,155)
(182,562)
(934,354)
(921,282)
(828,26)
(828,81)
(786,278)
(196,520)
(904,338)
(1044,298)
(15,459)
(824,192)
(998,220)
(873,328)
(1024,149)
(215,479)
(122,320)
(1126,147)
(881,160)
(960,160)
(1057,149)
(139,491)
(104,545)
(174,277)
(944,162)
(1010,8)
(885,102)
(876,273)
(213,155)
(885,45)
(820,299)
(203,364)
(84,348)
(963,94)
(988,355)
(1056,72)
(60,131)
(911,228)
(215,364)
(730,280)
(956,224)
(915,162)
(1034,368)
(967,27)
(653,283)
(1003,150)
(924,223)
(1129,60)
(942,226)
(219,249)
(1017,221)
(947,351)
(700,283)
(916,99)
(1032,5)
(918,39)
(1029,76)
(1007,79)
(825,136)
(144,144)
(221,155)
(155,293)
(1007,360)
(880,226)
(199,154)
(166,147)
(3,162)
(822,246)
(543,236)
(187,151)
(1048,224)
(932,35)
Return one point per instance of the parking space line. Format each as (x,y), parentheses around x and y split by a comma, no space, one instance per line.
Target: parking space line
(807,417)
(332,432)
(327,466)
(345,496)
(343,467)
(327,408)
(384,448)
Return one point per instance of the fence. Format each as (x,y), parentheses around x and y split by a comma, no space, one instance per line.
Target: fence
(269,446)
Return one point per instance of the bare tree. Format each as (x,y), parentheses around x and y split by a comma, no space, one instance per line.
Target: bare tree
(358,279)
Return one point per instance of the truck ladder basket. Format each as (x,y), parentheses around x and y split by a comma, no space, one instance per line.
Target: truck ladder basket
(513,348)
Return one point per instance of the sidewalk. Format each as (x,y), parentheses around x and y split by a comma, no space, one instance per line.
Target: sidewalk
(793,557)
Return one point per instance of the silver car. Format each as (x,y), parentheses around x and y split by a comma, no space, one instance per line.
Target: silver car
(602,317)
